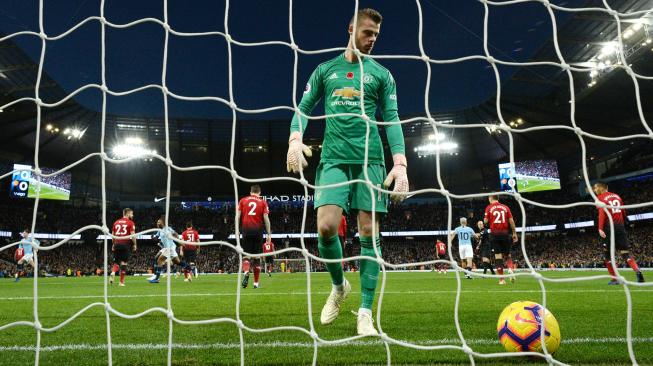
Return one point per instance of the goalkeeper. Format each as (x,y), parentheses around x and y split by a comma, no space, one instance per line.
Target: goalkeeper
(338,81)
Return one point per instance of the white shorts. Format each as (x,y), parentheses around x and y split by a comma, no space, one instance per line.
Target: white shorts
(168,253)
(465,251)
(27,258)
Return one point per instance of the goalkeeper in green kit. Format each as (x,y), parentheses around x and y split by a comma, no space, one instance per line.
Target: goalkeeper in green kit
(338,81)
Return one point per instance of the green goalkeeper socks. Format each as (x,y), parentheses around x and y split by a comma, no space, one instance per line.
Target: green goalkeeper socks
(330,249)
(369,272)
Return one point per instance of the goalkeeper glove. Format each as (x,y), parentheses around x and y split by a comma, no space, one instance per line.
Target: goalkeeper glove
(399,175)
(295,160)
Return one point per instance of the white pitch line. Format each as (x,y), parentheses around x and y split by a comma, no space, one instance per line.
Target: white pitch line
(303,293)
(280,344)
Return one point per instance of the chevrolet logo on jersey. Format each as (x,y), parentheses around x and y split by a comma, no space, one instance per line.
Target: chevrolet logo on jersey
(346,93)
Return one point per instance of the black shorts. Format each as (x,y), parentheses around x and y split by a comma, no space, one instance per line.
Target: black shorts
(121,253)
(501,243)
(486,250)
(190,255)
(269,259)
(620,240)
(252,243)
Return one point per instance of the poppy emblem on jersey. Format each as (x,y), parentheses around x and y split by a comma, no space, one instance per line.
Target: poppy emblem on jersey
(350,75)
(346,93)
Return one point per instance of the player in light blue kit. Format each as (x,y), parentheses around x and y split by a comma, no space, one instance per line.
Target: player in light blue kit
(465,235)
(169,248)
(26,253)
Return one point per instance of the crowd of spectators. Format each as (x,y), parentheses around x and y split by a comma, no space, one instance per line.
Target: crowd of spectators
(62,180)
(580,249)
(573,249)
(537,168)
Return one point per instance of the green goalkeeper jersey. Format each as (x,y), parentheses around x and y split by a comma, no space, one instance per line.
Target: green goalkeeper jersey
(338,81)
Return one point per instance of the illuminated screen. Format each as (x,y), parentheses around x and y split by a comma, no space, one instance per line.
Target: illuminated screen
(24,184)
(529,176)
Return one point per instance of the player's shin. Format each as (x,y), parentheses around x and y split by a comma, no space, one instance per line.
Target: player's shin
(509,264)
(632,263)
(331,249)
(257,273)
(499,263)
(608,265)
(369,272)
(123,271)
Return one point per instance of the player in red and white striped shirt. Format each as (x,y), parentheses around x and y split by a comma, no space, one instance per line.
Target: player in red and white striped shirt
(621,244)
(252,213)
(499,218)
(189,251)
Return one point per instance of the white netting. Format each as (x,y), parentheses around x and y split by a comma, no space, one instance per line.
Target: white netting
(311,331)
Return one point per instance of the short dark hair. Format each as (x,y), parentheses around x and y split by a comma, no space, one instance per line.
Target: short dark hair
(368,13)
(27,230)
(189,224)
(603,185)
(494,196)
(126,210)
(255,189)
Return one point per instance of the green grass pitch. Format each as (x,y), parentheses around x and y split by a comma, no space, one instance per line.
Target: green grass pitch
(417,307)
(534,185)
(47,192)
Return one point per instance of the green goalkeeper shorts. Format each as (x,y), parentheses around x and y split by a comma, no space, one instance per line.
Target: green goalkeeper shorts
(353,196)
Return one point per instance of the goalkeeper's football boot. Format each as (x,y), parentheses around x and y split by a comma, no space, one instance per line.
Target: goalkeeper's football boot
(331,309)
(365,325)
(245,280)
(640,277)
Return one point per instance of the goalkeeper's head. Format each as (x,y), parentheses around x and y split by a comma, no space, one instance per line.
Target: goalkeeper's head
(368,25)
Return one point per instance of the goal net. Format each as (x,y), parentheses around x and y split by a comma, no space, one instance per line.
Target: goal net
(307,260)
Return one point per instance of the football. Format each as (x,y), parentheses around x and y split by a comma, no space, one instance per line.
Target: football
(520,324)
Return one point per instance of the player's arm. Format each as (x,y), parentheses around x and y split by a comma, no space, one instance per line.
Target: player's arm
(268,227)
(513,227)
(452,235)
(133,231)
(389,112)
(238,214)
(601,223)
(295,160)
